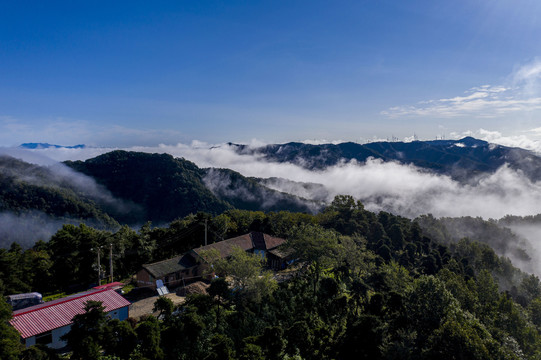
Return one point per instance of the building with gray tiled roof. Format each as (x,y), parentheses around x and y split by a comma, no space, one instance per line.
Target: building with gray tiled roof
(188,267)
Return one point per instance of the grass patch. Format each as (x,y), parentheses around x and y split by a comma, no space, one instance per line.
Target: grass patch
(53,297)
(126,289)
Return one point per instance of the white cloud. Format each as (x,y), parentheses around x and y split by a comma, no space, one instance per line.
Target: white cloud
(321,141)
(401,189)
(529,139)
(521,95)
(528,73)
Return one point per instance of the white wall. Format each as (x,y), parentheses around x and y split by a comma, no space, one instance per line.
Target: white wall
(57,343)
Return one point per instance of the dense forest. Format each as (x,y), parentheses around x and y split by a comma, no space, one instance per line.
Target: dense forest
(123,187)
(165,187)
(365,285)
(27,188)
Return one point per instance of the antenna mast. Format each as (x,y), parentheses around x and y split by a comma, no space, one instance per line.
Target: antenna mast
(111,260)
(99,267)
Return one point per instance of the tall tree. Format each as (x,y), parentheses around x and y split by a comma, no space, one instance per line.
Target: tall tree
(10,345)
(119,339)
(86,333)
(317,247)
(248,277)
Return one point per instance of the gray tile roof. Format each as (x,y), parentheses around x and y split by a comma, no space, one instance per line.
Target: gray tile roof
(161,268)
(247,242)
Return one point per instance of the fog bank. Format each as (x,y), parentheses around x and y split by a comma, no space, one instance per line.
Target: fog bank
(389,186)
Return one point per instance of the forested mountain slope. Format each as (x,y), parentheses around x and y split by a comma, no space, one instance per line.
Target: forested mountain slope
(123,187)
(253,194)
(31,195)
(167,188)
(25,187)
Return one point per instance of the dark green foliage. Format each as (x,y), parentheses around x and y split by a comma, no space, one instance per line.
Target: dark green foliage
(219,288)
(317,247)
(10,346)
(40,352)
(74,251)
(222,348)
(36,200)
(119,339)
(250,194)
(363,286)
(148,335)
(460,340)
(252,352)
(87,332)
(26,186)
(345,215)
(362,339)
(164,306)
(186,336)
(165,187)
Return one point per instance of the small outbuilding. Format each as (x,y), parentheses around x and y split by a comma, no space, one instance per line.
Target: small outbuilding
(21,301)
(172,272)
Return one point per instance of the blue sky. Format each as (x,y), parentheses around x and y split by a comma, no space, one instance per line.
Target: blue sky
(122,73)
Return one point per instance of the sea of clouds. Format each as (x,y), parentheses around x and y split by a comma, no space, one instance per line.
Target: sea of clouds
(401,189)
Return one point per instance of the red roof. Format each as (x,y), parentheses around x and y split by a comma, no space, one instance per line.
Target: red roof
(58,313)
(114,285)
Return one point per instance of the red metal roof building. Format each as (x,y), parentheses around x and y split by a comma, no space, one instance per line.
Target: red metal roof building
(46,323)
(117,285)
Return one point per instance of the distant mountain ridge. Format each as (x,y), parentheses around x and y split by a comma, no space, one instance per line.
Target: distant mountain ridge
(460,159)
(33,146)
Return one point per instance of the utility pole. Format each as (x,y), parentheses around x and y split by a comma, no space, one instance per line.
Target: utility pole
(111,260)
(206,232)
(99,267)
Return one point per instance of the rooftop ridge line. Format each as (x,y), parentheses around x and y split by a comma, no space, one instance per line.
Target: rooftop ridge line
(61,302)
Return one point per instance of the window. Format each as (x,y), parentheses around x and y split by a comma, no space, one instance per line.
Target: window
(44,338)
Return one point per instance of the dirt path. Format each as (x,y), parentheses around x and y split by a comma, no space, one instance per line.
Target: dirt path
(144,306)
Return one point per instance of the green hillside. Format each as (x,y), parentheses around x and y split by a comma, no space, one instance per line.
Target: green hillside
(25,187)
(165,188)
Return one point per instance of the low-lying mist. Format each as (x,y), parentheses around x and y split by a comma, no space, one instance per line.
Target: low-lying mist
(29,227)
(55,174)
(401,189)
(531,233)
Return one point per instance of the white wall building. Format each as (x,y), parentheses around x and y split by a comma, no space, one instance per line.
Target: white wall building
(46,323)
